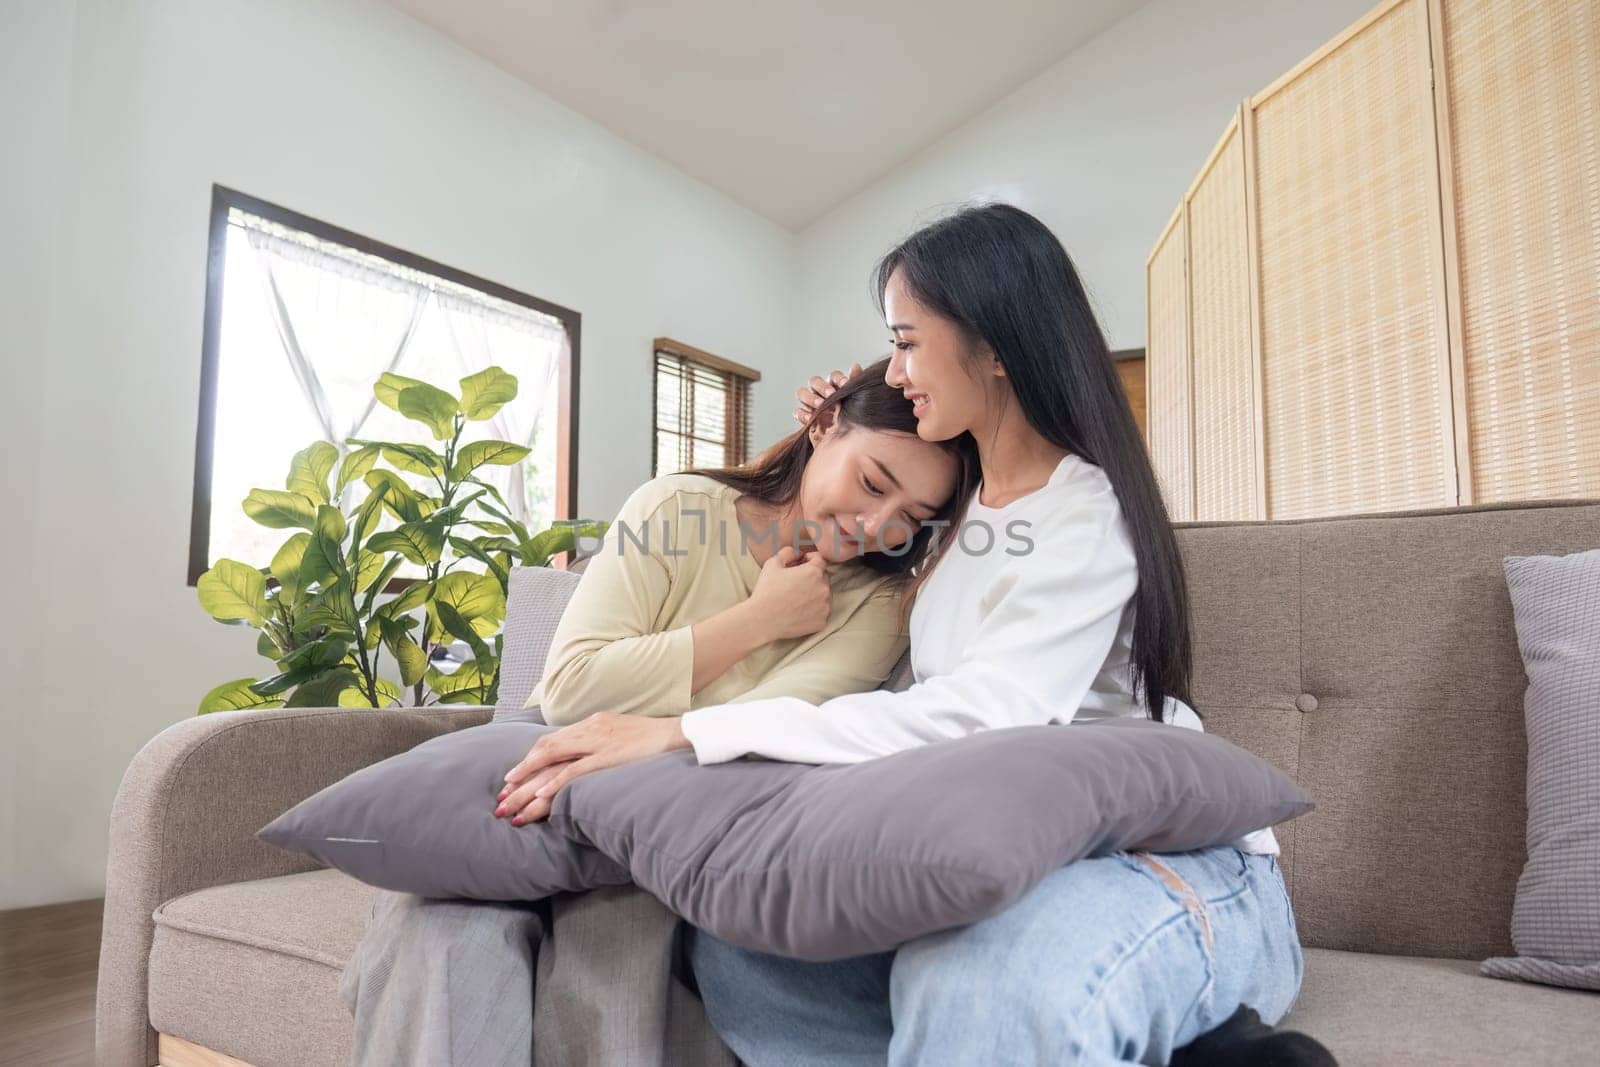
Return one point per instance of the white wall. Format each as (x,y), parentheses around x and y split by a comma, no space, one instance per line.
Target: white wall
(1101,147)
(116,117)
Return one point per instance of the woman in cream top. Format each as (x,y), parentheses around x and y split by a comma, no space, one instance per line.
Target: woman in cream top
(717,587)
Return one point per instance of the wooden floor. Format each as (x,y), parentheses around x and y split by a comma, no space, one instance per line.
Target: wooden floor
(47,971)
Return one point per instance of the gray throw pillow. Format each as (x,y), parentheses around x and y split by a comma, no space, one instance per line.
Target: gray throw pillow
(537,598)
(811,862)
(1555,922)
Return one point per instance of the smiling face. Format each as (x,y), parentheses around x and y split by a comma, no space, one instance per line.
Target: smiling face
(868,490)
(951,382)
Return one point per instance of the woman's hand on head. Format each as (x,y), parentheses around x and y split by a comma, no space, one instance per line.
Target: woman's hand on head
(792,596)
(819,389)
(602,740)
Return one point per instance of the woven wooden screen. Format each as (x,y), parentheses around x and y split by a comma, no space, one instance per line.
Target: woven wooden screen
(1354,354)
(702,409)
(1522,85)
(1219,322)
(1168,424)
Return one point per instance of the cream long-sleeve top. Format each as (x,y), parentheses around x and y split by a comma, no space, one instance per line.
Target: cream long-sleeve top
(1027,619)
(676,555)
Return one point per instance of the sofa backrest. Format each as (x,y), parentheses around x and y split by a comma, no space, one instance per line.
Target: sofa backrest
(1375,659)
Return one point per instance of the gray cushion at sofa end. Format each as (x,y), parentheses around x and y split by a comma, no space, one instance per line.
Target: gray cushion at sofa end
(537,599)
(1555,923)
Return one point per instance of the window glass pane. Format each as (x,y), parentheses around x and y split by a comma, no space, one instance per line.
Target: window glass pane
(349,317)
(667,445)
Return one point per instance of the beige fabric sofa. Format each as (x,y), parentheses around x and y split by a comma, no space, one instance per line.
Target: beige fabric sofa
(1373,658)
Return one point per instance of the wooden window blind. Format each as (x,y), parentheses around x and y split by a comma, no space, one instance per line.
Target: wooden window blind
(702,409)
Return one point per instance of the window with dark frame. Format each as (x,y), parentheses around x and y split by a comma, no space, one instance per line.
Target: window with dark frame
(300,319)
(702,409)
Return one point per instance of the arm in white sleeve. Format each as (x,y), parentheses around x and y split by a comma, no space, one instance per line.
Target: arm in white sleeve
(1052,617)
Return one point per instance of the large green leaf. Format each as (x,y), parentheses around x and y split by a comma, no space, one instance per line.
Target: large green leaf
(388,694)
(420,542)
(414,459)
(315,656)
(538,550)
(286,568)
(236,696)
(324,690)
(332,608)
(400,499)
(474,596)
(389,387)
(431,406)
(476,454)
(309,470)
(330,523)
(378,583)
(411,597)
(407,653)
(233,592)
(503,512)
(473,550)
(370,566)
(367,518)
(279,509)
(355,465)
(466,678)
(411,458)
(322,564)
(486,392)
(461,629)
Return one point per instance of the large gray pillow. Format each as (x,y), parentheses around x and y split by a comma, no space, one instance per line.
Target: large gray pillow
(1555,922)
(816,863)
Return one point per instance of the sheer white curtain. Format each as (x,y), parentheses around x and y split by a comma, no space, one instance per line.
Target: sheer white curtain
(487,332)
(343,318)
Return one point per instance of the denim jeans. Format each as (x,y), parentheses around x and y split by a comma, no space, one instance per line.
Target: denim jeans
(1116,959)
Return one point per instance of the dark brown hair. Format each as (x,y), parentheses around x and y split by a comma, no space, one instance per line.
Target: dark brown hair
(865,402)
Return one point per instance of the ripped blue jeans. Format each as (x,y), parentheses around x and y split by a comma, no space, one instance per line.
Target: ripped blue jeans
(1112,960)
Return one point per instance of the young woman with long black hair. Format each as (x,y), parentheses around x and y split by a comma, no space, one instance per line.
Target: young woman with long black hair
(1116,959)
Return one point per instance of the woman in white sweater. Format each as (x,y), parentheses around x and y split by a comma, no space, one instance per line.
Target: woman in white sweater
(1061,597)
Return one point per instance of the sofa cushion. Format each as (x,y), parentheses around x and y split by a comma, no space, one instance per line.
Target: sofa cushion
(1374,1009)
(811,862)
(251,969)
(536,600)
(1374,659)
(1555,924)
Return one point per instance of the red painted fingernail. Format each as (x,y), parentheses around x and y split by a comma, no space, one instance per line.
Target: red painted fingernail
(517,821)
(500,812)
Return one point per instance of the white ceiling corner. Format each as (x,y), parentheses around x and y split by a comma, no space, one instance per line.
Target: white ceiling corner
(788,108)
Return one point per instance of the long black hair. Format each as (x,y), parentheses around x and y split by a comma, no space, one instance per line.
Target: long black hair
(1001,276)
(864,402)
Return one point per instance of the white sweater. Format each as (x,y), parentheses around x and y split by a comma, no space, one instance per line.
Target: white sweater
(1035,627)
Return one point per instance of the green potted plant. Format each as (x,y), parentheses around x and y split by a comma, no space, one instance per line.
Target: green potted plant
(325,605)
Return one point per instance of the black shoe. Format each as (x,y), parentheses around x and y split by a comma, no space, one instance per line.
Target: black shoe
(1245,1041)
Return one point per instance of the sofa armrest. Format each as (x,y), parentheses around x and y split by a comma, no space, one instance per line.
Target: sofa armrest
(186,816)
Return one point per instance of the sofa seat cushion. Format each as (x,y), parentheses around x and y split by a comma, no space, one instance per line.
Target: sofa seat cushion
(252,969)
(1374,1009)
